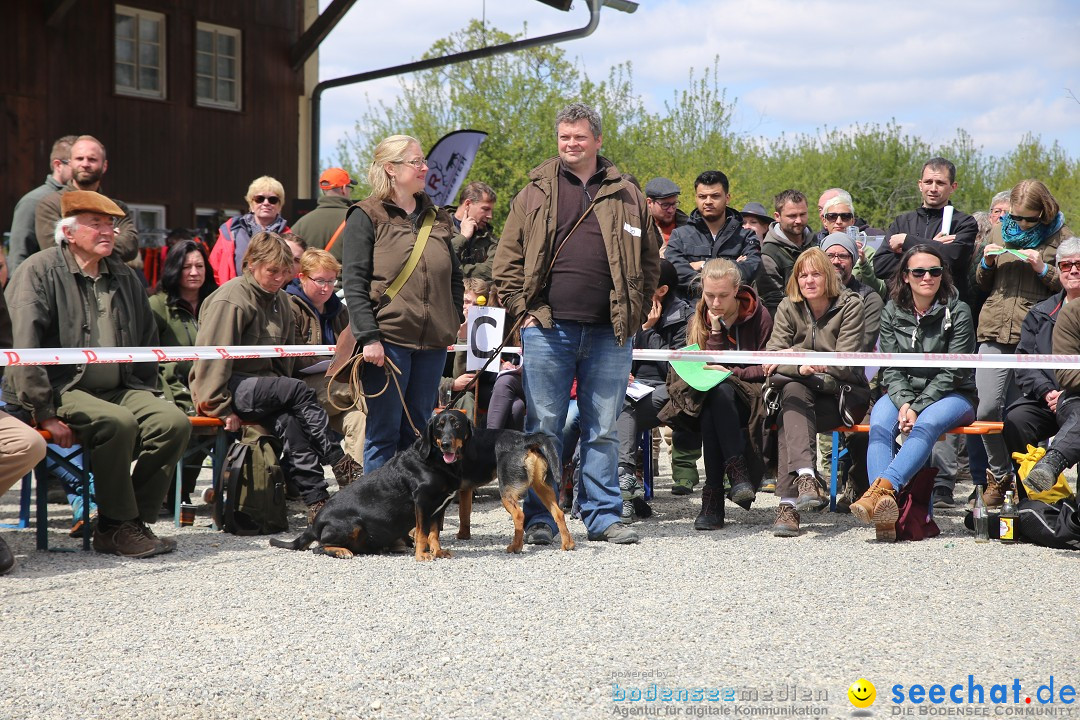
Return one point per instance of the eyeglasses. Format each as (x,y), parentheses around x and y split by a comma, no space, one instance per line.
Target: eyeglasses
(260,199)
(833,217)
(322,283)
(1024,218)
(920,272)
(1068,265)
(65,162)
(418,163)
(838,256)
(668,205)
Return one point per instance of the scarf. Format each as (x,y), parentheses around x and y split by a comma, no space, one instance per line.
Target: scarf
(1033,237)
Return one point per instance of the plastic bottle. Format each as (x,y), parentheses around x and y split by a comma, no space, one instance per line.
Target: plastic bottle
(979,515)
(1008,519)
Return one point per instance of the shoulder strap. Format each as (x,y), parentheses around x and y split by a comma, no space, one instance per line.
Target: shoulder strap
(228,229)
(414,256)
(335,236)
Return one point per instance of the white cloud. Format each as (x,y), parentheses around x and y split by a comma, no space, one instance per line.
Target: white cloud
(993,67)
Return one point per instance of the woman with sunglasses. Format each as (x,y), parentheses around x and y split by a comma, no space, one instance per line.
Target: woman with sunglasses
(923,315)
(1018,271)
(405,331)
(265,198)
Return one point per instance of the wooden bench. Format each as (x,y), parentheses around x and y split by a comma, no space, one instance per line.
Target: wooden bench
(979,427)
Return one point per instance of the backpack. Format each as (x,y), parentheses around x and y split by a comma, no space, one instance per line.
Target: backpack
(250,495)
(1053,526)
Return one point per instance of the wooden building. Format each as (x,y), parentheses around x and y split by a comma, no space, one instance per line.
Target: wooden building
(193,99)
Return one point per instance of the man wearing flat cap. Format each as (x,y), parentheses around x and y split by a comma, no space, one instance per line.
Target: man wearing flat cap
(662,199)
(320,225)
(77,294)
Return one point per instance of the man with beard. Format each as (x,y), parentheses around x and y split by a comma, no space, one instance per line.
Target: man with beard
(786,239)
(88,164)
(714,230)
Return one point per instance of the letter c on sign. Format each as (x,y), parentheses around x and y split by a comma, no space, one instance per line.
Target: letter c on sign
(482,320)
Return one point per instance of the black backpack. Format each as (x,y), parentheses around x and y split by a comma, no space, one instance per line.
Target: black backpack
(249,498)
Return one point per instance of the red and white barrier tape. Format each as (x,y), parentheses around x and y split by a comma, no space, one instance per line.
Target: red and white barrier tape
(82,356)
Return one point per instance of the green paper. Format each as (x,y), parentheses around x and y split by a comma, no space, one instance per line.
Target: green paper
(1017,253)
(696,375)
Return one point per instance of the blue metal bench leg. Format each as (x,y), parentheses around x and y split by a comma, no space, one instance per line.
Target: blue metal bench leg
(645,441)
(834,469)
(24,505)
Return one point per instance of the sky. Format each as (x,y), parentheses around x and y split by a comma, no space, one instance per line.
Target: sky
(995,68)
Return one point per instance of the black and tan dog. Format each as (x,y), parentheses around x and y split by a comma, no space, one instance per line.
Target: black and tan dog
(377,511)
(412,490)
(521,461)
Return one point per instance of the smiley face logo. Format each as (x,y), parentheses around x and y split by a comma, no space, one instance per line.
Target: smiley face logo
(862,693)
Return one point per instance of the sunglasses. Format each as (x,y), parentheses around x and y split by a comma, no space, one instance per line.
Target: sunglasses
(920,272)
(1024,218)
(260,199)
(833,217)
(1068,265)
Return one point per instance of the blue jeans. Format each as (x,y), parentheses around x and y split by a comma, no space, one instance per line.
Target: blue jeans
(388,429)
(898,468)
(553,357)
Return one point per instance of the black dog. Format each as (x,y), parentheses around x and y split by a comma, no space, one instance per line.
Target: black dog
(520,460)
(377,511)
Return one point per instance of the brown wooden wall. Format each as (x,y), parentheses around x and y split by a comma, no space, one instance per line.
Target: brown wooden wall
(58,80)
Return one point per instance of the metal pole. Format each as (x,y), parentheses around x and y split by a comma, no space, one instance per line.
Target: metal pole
(316,95)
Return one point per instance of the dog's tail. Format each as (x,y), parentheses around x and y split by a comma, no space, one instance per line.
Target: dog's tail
(300,543)
(543,444)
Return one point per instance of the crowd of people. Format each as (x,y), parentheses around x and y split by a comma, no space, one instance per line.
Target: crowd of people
(588,266)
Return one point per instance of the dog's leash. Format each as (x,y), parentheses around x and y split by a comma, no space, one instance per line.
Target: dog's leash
(356,386)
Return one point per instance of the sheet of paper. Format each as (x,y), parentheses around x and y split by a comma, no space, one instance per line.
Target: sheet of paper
(637,390)
(319,367)
(696,374)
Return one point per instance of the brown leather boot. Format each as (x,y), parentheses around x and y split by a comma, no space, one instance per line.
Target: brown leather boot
(996,487)
(878,507)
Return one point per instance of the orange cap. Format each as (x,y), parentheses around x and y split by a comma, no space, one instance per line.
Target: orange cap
(334,178)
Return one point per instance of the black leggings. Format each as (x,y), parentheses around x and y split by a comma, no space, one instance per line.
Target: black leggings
(724,419)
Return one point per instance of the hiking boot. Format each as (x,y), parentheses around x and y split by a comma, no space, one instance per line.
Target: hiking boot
(996,487)
(164,544)
(768,485)
(628,484)
(943,497)
(711,516)
(811,496)
(346,470)
(878,507)
(126,540)
(678,488)
(618,533)
(787,521)
(742,492)
(1044,474)
(538,534)
(7,558)
(313,510)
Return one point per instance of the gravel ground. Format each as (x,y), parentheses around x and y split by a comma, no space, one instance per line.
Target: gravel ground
(227,627)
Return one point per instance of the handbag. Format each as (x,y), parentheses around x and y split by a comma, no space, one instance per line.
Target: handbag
(821,383)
